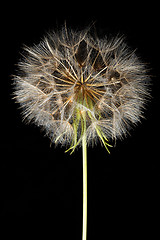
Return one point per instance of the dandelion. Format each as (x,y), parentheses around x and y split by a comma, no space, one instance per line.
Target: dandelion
(80,89)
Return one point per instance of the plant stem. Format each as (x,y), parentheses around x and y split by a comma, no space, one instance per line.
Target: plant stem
(84,151)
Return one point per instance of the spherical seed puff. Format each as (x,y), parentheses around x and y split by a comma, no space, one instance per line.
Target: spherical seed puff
(71,76)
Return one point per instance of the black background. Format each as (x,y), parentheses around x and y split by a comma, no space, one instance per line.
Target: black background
(43,183)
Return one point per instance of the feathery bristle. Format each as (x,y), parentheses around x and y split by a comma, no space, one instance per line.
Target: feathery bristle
(70,76)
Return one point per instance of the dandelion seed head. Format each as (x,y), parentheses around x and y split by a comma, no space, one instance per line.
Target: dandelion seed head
(71,76)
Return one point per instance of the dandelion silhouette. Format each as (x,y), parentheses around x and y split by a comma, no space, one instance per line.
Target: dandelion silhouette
(80,89)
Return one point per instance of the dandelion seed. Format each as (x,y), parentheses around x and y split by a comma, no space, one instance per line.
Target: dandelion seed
(79,89)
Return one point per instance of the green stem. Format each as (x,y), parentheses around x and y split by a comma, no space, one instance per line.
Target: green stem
(84,151)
